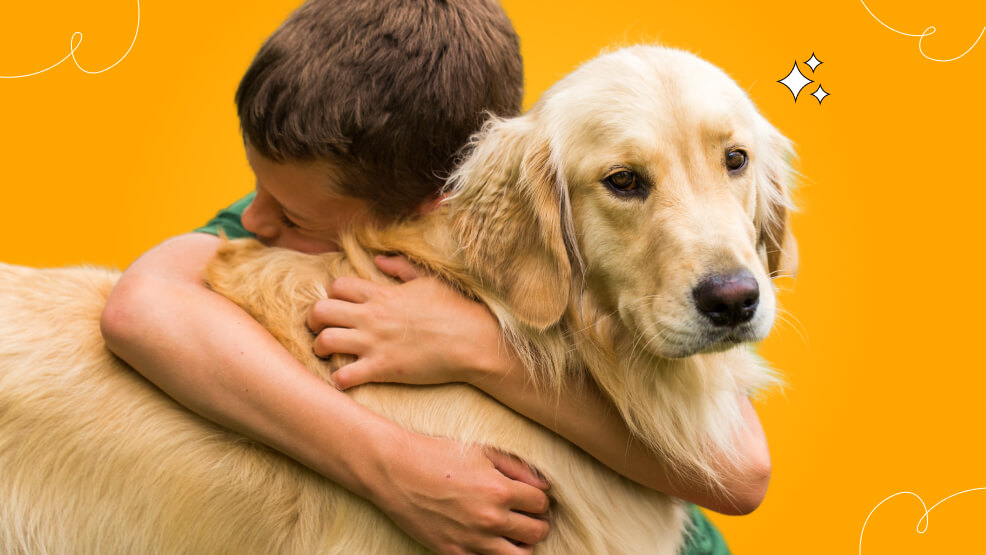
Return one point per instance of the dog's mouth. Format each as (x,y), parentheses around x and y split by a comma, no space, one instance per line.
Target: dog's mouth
(678,330)
(710,341)
(677,341)
(720,340)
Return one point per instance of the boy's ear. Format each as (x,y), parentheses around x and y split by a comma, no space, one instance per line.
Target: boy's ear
(506,203)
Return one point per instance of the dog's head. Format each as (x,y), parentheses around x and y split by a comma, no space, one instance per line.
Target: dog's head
(647,179)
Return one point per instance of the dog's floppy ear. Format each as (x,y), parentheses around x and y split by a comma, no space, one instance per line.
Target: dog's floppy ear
(774,204)
(506,204)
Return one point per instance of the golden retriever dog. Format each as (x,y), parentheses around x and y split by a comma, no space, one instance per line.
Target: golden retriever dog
(625,230)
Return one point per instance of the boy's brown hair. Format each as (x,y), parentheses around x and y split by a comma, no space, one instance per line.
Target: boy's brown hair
(388,90)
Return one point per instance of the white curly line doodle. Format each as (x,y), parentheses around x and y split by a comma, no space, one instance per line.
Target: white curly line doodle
(922,526)
(927,32)
(74,45)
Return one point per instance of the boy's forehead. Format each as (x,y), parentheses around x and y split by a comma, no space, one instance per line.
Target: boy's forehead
(306,192)
(320,178)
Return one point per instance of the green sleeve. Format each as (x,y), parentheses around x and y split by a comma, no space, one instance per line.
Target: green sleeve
(228,220)
(703,536)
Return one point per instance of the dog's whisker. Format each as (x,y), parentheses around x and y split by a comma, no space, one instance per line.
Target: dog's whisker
(798,326)
(780,275)
(786,317)
(639,334)
(638,350)
(661,336)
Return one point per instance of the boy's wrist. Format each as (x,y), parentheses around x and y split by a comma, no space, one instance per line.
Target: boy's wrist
(474,364)
(497,372)
(377,446)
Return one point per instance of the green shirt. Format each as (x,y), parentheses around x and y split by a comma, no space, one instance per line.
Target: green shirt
(228,220)
(703,537)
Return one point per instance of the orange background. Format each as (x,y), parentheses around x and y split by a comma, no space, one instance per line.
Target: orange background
(882,358)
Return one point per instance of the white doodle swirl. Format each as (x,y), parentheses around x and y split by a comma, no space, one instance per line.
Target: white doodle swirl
(927,33)
(922,526)
(74,43)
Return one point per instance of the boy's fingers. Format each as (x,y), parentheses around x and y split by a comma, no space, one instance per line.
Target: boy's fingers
(526,529)
(515,469)
(527,499)
(352,289)
(330,313)
(337,340)
(353,374)
(398,267)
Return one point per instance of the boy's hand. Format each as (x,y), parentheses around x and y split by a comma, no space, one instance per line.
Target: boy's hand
(451,498)
(419,332)
(463,500)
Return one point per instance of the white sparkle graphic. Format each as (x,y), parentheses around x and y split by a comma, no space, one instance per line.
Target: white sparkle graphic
(813,62)
(795,81)
(820,94)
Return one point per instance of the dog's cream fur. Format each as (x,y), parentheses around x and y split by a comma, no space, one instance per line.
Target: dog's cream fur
(586,284)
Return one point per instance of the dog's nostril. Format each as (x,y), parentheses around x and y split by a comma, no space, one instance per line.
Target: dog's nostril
(728,299)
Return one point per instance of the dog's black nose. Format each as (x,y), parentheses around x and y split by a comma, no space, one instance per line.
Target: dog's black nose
(728,299)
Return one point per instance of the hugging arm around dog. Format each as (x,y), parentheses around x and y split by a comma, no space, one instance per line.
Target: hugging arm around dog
(246,381)
(237,400)
(223,365)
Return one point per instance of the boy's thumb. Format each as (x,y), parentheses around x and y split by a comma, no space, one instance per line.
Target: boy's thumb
(397,266)
(515,469)
(349,376)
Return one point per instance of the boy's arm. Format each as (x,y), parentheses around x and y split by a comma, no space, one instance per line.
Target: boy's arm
(216,360)
(584,417)
(424,332)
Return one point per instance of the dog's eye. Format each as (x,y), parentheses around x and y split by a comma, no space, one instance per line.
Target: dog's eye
(623,181)
(736,159)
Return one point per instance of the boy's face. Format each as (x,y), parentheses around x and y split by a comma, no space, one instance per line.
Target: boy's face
(298,205)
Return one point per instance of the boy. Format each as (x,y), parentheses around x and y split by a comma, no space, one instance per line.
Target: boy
(350,112)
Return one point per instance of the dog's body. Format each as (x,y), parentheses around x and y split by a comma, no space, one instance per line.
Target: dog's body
(589,281)
(95,460)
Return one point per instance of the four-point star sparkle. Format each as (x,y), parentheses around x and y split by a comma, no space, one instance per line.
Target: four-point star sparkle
(813,62)
(795,81)
(820,94)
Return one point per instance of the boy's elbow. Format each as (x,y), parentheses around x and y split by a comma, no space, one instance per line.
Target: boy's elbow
(753,490)
(747,490)
(120,321)
(158,278)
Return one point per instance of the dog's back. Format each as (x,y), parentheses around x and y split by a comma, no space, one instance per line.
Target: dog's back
(96,460)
